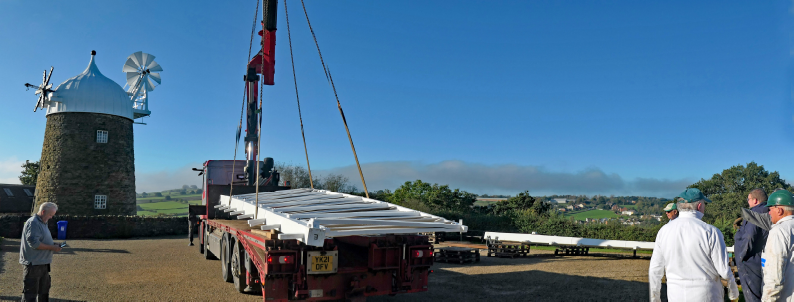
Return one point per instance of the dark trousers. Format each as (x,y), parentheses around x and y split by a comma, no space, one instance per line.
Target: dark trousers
(190,229)
(752,278)
(36,282)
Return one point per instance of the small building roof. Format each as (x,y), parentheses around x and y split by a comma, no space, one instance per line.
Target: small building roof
(15,198)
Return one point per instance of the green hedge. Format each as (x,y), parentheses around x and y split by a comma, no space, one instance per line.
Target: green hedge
(480,222)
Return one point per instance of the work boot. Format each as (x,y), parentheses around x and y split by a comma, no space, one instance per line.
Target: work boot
(191,244)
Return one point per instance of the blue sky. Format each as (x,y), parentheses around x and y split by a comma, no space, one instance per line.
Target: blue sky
(493,97)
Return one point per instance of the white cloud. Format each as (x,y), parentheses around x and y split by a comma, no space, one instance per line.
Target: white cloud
(167,179)
(10,169)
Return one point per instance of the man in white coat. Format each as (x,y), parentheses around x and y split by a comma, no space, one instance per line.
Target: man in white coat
(777,259)
(692,254)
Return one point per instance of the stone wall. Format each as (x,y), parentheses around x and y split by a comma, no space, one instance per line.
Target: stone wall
(100,227)
(75,168)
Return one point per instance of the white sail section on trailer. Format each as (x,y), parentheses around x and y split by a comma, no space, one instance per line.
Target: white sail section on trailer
(311,215)
(573,241)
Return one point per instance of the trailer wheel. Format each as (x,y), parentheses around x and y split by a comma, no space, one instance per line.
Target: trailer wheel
(226,274)
(238,267)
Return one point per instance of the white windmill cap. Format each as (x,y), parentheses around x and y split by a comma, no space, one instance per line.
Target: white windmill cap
(92,92)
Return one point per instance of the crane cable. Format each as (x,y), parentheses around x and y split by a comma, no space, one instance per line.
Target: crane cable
(338,104)
(295,79)
(242,109)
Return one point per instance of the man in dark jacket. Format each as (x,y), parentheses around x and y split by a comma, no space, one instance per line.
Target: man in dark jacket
(749,243)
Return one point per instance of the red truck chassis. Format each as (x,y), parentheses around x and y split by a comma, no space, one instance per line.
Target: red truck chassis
(367,265)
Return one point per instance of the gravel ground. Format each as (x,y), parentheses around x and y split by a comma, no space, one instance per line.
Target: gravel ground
(166,269)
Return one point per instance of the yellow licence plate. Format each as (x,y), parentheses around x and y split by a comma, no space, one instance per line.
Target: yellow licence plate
(322,263)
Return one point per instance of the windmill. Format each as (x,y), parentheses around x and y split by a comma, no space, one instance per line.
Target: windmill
(42,90)
(142,73)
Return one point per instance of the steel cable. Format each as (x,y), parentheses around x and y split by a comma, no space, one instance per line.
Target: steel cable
(338,104)
(295,80)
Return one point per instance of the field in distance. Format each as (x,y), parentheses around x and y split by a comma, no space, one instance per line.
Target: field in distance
(170,204)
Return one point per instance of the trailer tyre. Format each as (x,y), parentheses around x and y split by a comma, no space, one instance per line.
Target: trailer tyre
(225,269)
(238,267)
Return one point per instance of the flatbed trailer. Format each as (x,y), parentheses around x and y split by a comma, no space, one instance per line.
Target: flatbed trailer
(315,245)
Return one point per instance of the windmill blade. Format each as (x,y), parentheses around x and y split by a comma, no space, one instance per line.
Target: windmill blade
(146,59)
(135,83)
(39,103)
(132,78)
(130,66)
(47,81)
(149,84)
(43,77)
(155,77)
(154,67)
(137,58)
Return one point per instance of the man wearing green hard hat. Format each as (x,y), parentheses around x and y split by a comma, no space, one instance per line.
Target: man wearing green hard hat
(693,255)
(671,211)
(777,259)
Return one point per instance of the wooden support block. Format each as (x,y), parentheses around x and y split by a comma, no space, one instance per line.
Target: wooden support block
(272,234)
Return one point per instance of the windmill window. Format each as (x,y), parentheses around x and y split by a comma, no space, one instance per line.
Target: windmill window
(100,202)
(101,136)
(27,191)
(8,192)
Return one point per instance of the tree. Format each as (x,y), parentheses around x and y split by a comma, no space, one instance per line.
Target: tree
(298,176)
(337,183)
(729,190)
(522,201)
(193,187)
(144,194)
(168,197)
(185,187)
(434,196)
(30,173)
(158,194)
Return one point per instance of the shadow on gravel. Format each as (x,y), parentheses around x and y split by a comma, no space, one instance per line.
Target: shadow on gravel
(537,258)
(71,251)
(529,285)
(17,298)
(7,246)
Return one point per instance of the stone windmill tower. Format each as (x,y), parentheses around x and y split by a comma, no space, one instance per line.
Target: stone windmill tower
(88,158)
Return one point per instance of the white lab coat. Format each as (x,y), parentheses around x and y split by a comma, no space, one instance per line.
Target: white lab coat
(693,255)
(777,260)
